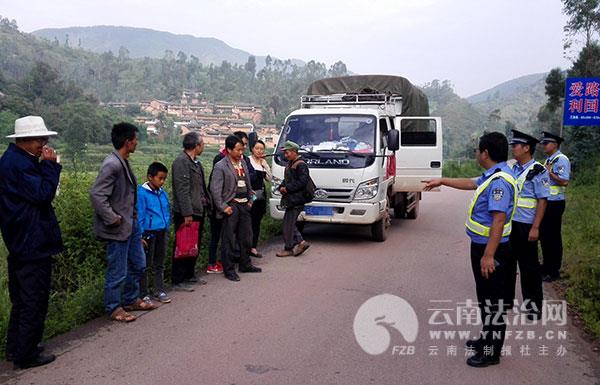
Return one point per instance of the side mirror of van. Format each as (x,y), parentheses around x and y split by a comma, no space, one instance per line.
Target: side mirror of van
(393,140)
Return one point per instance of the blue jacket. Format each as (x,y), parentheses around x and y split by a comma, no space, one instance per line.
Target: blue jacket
(27,220)
(153,208)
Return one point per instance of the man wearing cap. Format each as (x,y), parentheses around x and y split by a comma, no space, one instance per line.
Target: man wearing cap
(29,175)
(559,173)
(489,226)
(296,178)
(533,191)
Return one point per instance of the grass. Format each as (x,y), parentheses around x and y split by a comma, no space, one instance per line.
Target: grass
(78,274)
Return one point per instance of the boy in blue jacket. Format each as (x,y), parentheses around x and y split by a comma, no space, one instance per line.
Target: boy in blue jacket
(154,217)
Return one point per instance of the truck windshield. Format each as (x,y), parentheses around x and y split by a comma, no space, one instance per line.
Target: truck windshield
(331,133)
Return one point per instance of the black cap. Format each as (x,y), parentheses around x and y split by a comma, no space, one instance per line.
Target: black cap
(548,137)
(523,138)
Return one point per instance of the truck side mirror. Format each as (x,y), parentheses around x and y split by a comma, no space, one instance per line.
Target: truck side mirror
(393,139)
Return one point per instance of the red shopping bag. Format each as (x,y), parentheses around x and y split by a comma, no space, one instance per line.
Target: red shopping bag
(186,241)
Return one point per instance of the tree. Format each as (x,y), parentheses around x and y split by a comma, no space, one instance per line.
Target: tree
(250,65)
(584,18)
(338,69)
(555,88)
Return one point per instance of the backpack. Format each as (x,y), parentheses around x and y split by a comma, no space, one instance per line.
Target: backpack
(310,188)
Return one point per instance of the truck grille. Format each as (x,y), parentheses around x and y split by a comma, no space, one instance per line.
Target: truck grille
(334,195)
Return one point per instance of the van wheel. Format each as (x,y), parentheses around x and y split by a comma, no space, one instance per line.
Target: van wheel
(379,228)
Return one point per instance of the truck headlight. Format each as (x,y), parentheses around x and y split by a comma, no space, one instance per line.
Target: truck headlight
(367,189)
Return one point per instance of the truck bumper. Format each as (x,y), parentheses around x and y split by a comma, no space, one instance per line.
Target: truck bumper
(350,213)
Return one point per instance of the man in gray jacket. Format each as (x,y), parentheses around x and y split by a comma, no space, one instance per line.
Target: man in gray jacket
(113,197)
(232,198)
(191,202)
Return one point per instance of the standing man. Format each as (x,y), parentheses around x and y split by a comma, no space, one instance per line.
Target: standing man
(489,226)
(29,174)
(232,197)
(296,177)
(532,187)
(191,201)
(559,173)
(114,196)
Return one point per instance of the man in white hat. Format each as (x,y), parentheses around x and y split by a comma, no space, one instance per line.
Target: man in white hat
(29,174)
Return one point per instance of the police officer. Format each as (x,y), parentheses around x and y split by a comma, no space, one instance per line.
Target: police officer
(559,172)
(489,225)
(533,191)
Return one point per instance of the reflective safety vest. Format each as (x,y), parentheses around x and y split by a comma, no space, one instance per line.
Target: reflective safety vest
(484,230)
(527,203)
(555,189)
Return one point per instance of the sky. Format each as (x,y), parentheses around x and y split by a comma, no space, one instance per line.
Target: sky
(476,44)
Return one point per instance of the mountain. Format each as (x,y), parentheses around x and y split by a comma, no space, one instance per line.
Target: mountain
(143,42)
(517,99)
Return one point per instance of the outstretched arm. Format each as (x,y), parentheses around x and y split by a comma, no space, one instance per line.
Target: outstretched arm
(457,183)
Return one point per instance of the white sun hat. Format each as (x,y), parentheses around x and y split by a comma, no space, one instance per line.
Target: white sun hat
(30,126)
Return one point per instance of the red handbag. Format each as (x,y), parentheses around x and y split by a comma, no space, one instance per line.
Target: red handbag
(186,241)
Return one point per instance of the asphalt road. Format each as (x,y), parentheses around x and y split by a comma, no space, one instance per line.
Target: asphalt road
(293,324)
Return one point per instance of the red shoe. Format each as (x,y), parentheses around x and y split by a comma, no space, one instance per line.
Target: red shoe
(213,269)
(219,267)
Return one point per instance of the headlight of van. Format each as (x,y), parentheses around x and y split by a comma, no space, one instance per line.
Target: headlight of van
(367,190)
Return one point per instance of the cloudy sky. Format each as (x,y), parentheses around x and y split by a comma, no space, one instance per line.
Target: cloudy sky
(475,44)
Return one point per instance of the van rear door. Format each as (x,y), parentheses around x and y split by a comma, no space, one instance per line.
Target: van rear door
(419,157)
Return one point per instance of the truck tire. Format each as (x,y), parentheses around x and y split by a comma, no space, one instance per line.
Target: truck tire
(399,210)
(414,213)
(379,228)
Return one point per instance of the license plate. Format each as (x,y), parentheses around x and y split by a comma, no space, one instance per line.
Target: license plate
(318,211)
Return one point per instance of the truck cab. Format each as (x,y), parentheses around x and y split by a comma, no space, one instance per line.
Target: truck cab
(364,156)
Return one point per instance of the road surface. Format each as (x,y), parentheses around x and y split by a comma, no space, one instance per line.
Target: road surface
(293,324)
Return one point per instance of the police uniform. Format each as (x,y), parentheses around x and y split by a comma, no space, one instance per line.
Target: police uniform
(532,185)
(550,229)
(496,192)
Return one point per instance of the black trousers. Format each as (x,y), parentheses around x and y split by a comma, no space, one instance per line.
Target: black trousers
(185,268)
(216,225)
(29,290)
(493,295)
(291,234)
(525,254)
(259,208)
(551,238)
(236,237)
(155,262)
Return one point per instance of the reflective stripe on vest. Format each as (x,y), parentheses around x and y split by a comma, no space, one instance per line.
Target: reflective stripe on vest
(477,227)
(527,203)
(557,190)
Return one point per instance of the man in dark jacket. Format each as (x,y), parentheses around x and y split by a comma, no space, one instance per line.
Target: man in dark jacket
(292,189)
(191,202)
(232,198)
(31,234)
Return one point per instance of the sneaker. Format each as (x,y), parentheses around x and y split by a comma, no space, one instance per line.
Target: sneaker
(147,299)
(196,280)
(161,296)
(183,287)
(219,267)
(212,269)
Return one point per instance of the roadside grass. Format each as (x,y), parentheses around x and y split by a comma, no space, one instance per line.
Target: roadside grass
(78,273)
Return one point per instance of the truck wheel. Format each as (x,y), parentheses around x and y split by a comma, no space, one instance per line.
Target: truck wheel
(379,228)
(414,213)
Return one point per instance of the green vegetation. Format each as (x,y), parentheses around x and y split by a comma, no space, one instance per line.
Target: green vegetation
(78,274)
(581,235)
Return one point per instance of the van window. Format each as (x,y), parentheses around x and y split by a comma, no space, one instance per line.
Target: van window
(414,132)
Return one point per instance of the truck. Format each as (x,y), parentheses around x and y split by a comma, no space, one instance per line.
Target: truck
(369,143)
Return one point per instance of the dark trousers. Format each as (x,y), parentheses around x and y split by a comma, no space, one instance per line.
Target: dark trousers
(155,261)
(29,290)
(236,237)
(259,208)
(551,238)
(185,268)
(525,254)
(216,224)
(291,235)
(493,294)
